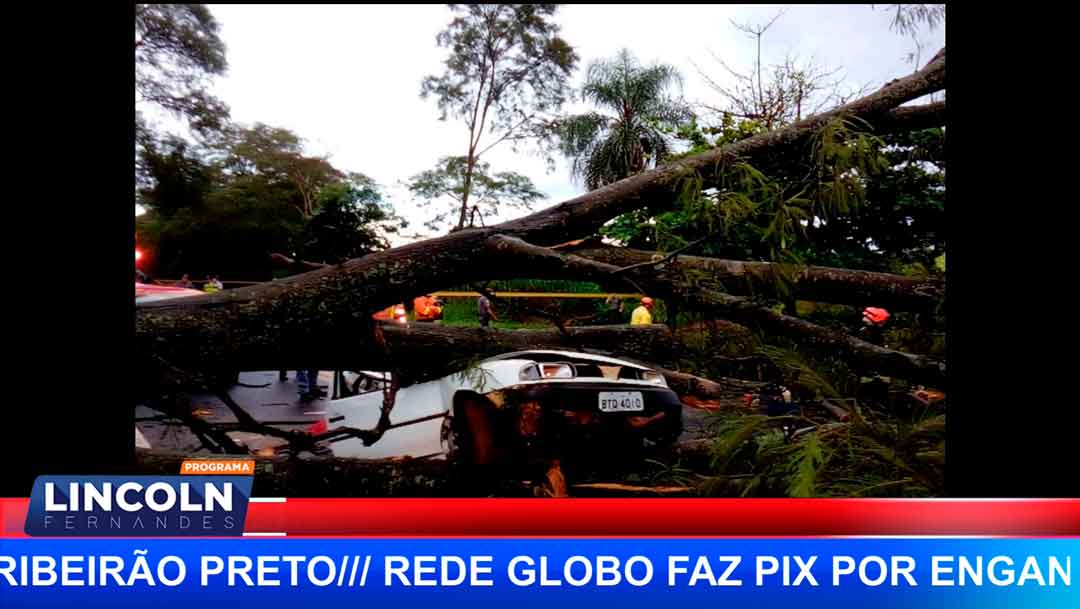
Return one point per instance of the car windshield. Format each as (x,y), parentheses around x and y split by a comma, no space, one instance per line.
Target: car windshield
(582,368)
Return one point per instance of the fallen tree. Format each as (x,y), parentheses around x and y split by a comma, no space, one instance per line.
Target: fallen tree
(322,318)
(744,278)
(860,354)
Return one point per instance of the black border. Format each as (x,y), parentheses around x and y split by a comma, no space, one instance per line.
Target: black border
(70,235)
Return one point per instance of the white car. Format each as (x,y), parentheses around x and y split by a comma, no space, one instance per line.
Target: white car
(508,402)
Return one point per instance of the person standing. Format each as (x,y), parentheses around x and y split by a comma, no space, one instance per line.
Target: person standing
(484,311)
(642,316)
(614,309)
(212,285)
(873,330)
(307,384)
(185,282)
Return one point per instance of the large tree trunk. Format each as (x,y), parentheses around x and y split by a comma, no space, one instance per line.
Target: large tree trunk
(322,318)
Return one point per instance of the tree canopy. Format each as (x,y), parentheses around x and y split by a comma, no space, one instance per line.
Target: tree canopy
(631,137)
(507,69)
(225,209)
(177,50)
(444,188)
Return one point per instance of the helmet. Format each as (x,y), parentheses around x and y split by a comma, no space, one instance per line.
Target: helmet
(647,301)
(874,315)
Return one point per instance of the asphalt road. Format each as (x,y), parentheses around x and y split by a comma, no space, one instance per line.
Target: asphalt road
(272,401)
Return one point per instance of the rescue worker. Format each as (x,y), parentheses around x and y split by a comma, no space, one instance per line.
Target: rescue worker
(212,285)
(873,329)
(484,311)
(642,315)
(427,308)
(185,282)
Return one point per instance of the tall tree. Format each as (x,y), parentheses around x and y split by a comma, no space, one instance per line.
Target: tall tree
(605,148)
(277,154)
(483,192)
(775,95)
(177,49)
(352,220)
(224,208)
(506,70)
(173,175)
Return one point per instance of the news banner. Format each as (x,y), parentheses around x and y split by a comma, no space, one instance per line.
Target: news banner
(201,538)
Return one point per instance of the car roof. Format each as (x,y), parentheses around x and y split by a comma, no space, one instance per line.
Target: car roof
(546,354)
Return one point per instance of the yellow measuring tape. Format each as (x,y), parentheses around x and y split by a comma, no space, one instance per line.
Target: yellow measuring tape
(537,295)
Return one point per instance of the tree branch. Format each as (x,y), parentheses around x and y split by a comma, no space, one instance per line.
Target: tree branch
(813,283)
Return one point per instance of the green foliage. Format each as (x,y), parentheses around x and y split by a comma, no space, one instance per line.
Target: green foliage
(605,148)
(507,68)
(225,209)
(174,176)
(902,219)
(795,367)
(177,48)
(508,56)
(275,156)
(852,201)
(875,454)
(444,188)
(352,221)
(803,466)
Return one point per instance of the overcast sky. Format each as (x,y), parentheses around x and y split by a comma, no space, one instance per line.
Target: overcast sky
(347,78)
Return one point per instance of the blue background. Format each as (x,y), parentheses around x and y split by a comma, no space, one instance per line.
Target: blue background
(656,595)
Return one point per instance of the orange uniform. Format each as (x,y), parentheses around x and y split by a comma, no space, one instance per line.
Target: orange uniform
(427,308)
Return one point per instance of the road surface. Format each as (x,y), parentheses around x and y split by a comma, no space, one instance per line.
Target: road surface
(275,402)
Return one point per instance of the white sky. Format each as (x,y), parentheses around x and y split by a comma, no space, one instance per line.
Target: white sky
(347,78)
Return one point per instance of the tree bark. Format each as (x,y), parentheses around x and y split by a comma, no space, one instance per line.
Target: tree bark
(861,355)
(815,283)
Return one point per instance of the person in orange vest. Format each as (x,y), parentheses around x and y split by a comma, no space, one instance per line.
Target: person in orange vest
(427,308)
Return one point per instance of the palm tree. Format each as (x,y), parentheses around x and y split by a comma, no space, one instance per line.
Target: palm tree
(604,148)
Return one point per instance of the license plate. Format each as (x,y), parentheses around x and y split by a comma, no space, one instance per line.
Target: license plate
(621,401)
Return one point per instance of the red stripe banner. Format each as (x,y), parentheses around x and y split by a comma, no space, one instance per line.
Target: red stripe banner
(645,517)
